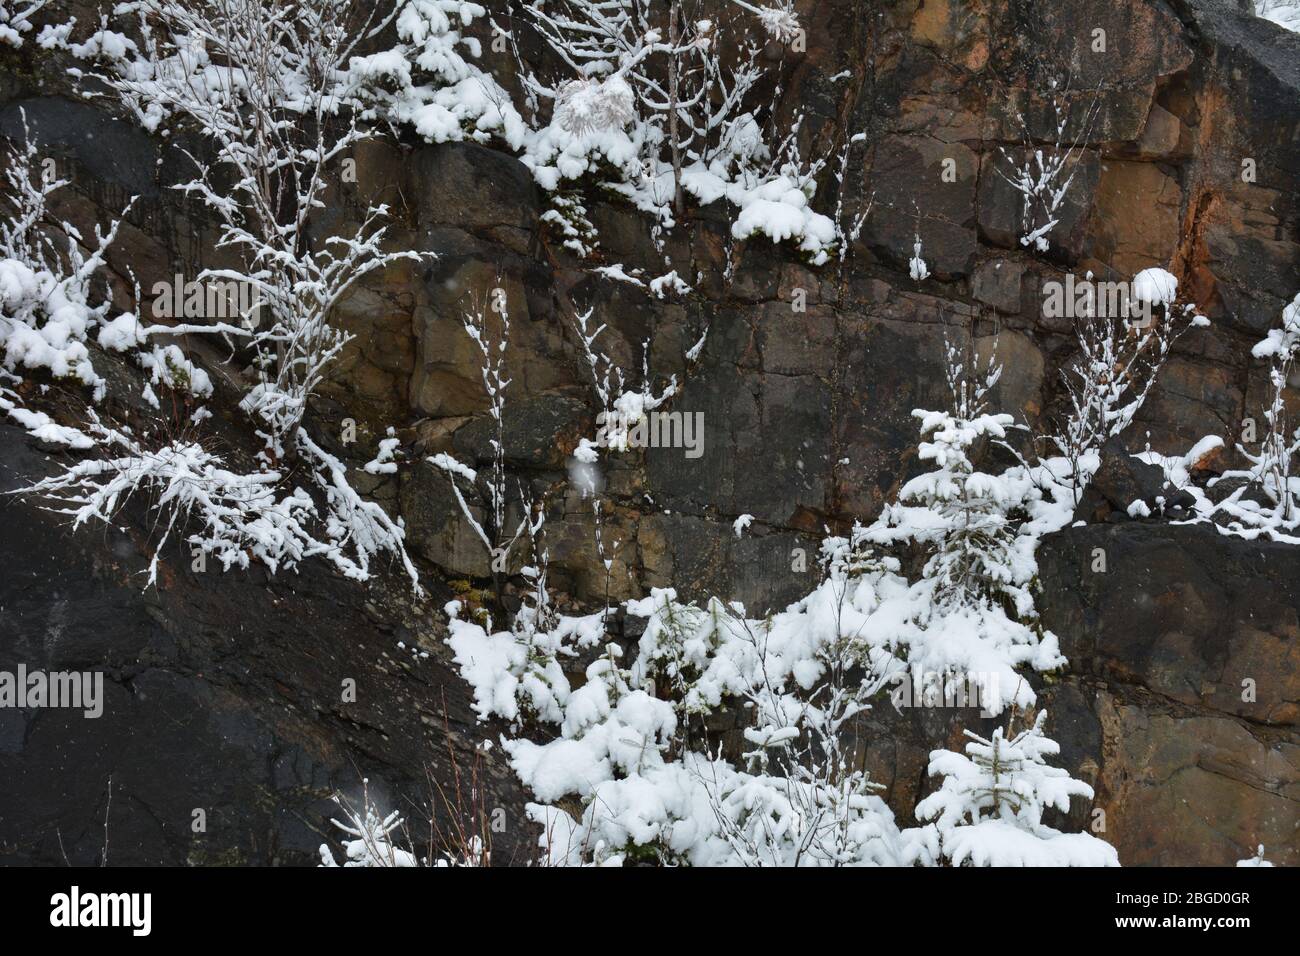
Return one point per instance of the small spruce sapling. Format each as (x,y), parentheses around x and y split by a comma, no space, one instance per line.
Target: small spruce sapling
(989,809)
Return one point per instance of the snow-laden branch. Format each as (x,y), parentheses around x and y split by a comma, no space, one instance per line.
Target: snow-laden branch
(267,86)
(1121,353)
(16,19)
(1273,463)
(651,99)
(1044,174)
(234,517)
(492,347)
(46,290)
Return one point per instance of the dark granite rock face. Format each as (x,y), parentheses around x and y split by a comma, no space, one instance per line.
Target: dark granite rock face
(222,693)
(223,690)
(1184,652)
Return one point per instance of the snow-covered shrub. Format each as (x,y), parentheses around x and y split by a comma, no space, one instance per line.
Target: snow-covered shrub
(778,208)
(639,765)
(989,809)
(268,88)
(773,192)
(47,319)
(372,842)
(16,19)
(848,224)
(808,817)
(780,20)
(630,745)
(518,673)
(1121,354)
(664,70)
(45,287)
(802,798)
(976,556)
(632,749)
(459,837)
(621,411)
(371,831)
(241,514)
(647,104)
(1044,174)
(349,523)
(1273,465)
(586,105)
(430,82)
